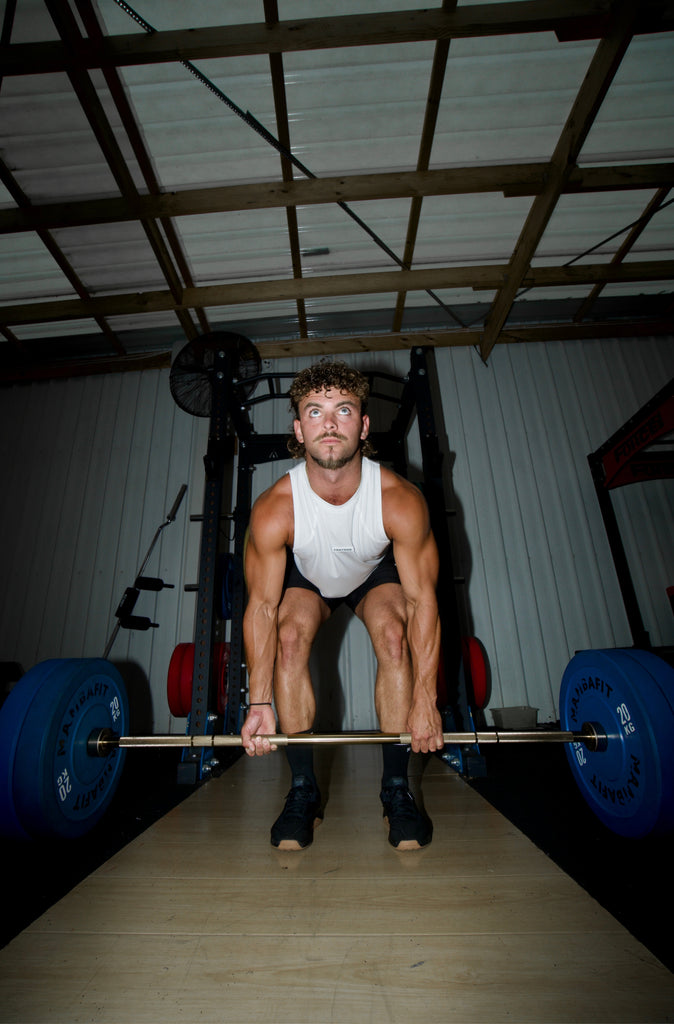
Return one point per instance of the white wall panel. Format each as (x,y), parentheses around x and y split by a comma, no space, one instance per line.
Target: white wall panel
(541,577)
(91,467)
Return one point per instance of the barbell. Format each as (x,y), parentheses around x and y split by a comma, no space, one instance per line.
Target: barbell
(64,736)
(102,742)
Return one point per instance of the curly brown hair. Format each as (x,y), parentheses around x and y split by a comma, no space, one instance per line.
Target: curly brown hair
(324,376)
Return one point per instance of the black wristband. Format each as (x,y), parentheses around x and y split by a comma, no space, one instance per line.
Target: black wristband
(262,704)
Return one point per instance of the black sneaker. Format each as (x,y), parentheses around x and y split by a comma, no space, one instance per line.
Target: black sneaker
(409,828)
(294,827)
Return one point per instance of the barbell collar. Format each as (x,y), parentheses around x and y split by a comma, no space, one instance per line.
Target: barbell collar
(101,743)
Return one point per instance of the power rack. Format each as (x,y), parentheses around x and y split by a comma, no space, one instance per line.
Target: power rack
(218,375)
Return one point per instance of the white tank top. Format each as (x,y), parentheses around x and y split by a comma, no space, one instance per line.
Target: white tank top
(337,546)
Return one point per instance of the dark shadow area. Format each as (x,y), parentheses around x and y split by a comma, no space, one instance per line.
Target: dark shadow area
(330,702)
(137,686)
(36,874)
(631,878)
(324,669)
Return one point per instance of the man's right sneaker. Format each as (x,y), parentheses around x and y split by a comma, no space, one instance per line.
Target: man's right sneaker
(409,828)
(294,827)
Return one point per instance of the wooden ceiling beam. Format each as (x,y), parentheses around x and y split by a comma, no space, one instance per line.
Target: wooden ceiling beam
(57,254)
(118,93)
(479,278)
(94,111)
(624,249)
(569,19)
(462,337)
(283,132)
(433,98)
(346,344)
(600,74)
(509,179)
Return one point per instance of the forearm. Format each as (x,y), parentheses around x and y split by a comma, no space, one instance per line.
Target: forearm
(259,637)
(424,722)
(423,638)
(260,634)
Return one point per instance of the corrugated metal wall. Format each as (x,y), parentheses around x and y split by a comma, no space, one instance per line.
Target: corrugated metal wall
(91,467)
(90,470)
(541,578)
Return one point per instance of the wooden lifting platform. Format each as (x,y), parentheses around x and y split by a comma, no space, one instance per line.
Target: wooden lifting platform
(200,918)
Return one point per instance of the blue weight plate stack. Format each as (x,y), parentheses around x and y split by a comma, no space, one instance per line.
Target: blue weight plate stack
(630,695)
(50,785)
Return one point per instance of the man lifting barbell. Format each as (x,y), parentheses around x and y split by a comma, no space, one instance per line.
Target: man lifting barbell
(340,528)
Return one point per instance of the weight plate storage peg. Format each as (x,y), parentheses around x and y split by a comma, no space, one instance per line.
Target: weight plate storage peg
(50,784)
(630,693)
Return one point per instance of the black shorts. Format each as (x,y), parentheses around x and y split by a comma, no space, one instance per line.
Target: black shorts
(385,572)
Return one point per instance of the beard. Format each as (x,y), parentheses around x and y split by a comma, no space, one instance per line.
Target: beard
(333,462)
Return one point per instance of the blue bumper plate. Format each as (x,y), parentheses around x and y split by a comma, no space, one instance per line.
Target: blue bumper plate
(50,785)
(629,694)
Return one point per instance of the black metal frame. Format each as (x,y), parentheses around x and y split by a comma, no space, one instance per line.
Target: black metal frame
(628,457)
(219,456)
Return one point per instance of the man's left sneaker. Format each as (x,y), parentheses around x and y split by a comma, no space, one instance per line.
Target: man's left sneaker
(409,828)
(294,827)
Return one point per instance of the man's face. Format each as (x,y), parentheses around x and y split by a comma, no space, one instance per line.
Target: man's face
(331,427)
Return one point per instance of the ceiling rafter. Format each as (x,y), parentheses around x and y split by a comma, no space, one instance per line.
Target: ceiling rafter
(463,337)
(510,179)
(61,261)
(283,130)
(424,158)
(603,67)
(23,203)
(348,344)
(569,19)
(613,22)
(480,278)
(114,84)
(623,250)
(68,29)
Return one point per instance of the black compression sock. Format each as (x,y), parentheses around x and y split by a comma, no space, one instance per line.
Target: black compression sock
(301,760)
(396,757)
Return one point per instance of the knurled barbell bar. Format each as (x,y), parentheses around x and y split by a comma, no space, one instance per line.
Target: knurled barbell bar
(64,736)
(101,743)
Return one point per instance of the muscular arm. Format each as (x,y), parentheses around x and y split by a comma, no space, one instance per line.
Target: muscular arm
(265,568)
(406,521)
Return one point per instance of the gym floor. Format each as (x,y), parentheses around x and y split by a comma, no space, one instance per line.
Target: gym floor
(531,786)
(631,878)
